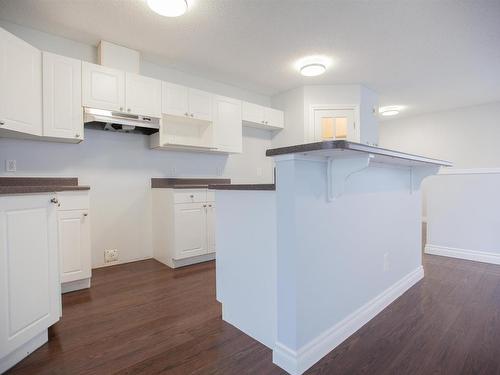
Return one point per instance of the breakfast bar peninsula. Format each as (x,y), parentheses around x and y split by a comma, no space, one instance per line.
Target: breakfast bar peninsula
(304,264)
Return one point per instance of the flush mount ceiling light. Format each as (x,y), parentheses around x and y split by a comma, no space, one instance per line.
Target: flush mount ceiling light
(312,70)
(312,66)
(391,110)
(168,8)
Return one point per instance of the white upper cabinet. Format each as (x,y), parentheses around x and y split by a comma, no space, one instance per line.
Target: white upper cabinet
(21,85)
(62,97)
(227,124)
(103,87)
(142,95)
(182,101)
(274,117)
(175,99)
(200,105)
(255,115)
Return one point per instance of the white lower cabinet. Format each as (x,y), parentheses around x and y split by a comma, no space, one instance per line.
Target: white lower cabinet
(183,226)
(30,294)
(73,222)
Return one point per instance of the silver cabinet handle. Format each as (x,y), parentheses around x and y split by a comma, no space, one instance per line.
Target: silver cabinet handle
(192,115)
(191,196)
(128,110)
(2,123)
(186,114)
(54,200)
(121,108)
(209,205)
(85,214)
(205,205)
(77,135)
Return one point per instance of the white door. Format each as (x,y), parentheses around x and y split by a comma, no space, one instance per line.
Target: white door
(74,245)
(274,117)
(211,227)
(29,268)
(227,124)
(142,95)
(20,85)
(103,87)
(334,124)
(175,99)
(253,113)
(62,97)
(190,230)
(200,105)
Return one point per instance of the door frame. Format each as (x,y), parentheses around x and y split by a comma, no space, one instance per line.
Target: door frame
(334,107)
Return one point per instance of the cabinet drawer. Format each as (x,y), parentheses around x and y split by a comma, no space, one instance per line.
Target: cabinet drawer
(190,196)
(73,200)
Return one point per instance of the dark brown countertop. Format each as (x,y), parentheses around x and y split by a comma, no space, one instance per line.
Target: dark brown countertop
(243,187)
(30,185)
(327,148)
(187,183)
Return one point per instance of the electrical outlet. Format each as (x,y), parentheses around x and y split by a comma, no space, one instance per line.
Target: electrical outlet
(10,165)
(110,255)
(387,263)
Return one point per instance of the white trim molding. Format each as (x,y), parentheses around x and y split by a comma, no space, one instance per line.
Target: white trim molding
(297,362)
(453,252)
(455,171)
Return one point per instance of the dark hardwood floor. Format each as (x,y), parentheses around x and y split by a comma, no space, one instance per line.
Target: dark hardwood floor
(143,318)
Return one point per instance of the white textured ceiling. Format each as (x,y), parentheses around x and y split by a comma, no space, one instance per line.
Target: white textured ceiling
(427,55)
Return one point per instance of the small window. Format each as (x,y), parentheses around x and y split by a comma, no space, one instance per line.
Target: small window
(333,128)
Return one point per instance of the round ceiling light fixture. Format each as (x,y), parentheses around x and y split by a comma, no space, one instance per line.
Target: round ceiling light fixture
(391,110)
(168,8)
(312,66)
(312,70)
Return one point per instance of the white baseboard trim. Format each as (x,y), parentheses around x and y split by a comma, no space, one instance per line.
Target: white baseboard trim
(23,351)
(297,362)
(453,252)
(71,286)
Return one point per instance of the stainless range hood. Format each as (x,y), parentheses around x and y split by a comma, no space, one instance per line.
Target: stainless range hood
(118,121)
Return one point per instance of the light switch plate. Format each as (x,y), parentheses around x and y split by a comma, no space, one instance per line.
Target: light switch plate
(10,165)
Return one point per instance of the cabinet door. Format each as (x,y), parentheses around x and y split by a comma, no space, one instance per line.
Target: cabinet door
(62,97)
(190,230)
(211,227)
(21,85)
(29,269)
(253,113)
(200,105)
(142,95)
(74,245)
(175,99)
(274,117)
(103,87)
(227,124)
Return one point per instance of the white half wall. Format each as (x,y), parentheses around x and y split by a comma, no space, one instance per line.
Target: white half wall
(118,167)
(462,203)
